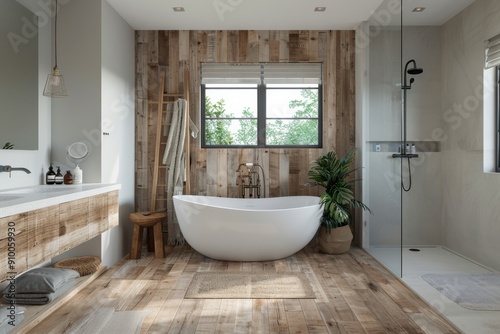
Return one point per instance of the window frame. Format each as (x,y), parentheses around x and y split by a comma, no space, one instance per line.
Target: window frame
(203,119)
(319,118)
(262,117)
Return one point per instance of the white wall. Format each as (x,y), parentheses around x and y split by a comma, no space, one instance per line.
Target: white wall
(96,57)
(471,213)
(35,160)
(118,114)
(79,60)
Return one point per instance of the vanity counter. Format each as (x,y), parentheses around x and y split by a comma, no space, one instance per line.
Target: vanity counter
(38,223)
(19,200)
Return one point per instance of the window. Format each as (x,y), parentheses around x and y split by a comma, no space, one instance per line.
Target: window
(492,60)
(261,105)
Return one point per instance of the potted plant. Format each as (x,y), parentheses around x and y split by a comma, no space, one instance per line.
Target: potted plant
(332,173)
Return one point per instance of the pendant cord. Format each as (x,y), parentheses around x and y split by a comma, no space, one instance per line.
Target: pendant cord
(55,36)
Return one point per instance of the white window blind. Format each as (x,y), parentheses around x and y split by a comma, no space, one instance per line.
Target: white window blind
(292,73)
(272,73)
(492,52)
(224,73)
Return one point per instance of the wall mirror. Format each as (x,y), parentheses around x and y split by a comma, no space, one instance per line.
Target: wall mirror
(19,77)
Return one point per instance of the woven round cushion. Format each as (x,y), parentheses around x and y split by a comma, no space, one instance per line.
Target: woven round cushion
(84,265)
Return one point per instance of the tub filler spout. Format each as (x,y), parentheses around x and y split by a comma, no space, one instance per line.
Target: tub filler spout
(249,181)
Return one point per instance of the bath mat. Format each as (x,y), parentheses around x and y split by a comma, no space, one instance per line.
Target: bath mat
(479,292)
(249,285)
(108,320)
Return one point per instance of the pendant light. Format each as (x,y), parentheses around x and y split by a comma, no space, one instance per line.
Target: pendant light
(54,87)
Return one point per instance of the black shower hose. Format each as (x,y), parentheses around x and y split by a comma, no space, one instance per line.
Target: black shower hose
(402,180)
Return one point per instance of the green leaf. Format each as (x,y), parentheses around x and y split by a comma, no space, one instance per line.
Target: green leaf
(334,174)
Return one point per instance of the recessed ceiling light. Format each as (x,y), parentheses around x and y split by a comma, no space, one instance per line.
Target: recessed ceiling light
(319,9)
(418,9)
(179,9)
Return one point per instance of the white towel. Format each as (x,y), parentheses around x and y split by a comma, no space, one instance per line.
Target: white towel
(174,158)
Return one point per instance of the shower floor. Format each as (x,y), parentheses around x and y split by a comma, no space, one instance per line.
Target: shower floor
(437,260)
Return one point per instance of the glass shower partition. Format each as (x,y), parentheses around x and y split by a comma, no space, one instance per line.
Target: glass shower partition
(382,134)
(422,203)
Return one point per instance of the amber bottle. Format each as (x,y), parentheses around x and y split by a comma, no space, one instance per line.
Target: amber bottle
(68,178)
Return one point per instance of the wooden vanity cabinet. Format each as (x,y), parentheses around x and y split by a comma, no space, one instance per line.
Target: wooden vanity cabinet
(13,244)
(42,234)
(73,223)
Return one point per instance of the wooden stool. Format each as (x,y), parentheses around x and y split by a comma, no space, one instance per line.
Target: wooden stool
(154,224)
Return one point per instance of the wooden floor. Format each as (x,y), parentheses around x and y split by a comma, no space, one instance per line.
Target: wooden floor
(354,294)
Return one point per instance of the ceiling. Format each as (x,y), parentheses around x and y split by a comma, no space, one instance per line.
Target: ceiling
(275,14)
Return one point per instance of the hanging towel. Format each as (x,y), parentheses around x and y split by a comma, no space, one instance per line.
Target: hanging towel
(193,128)
(173,157)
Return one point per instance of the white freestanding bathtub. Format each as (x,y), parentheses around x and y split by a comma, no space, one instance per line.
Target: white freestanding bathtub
(240,229)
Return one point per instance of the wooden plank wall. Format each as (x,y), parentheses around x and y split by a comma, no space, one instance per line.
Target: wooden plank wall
(213,171)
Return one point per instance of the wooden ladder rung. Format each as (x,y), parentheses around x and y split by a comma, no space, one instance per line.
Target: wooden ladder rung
(163,102)
(167,99)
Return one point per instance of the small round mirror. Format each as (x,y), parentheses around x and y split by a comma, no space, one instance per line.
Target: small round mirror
(78,152)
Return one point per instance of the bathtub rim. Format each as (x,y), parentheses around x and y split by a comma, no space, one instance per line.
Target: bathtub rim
(235,199)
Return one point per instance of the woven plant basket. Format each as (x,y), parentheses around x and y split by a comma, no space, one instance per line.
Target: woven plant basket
(84,265)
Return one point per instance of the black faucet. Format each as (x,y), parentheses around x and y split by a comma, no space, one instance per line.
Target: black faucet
(8,169)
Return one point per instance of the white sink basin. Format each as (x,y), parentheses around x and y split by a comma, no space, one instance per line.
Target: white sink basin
(40,189)
(8,197)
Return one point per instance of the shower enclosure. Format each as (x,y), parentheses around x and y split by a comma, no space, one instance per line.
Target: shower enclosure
(401,112)
(413,75)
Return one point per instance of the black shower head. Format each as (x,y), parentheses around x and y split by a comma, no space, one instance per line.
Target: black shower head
(414,70)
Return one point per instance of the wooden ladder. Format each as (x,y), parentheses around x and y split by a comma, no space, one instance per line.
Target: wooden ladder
(159,179)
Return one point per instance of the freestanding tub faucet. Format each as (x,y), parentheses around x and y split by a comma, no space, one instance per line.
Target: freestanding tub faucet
(249,182)
(9,169)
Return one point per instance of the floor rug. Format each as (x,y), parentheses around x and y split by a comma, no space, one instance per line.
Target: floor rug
(479,292)
(249,285)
